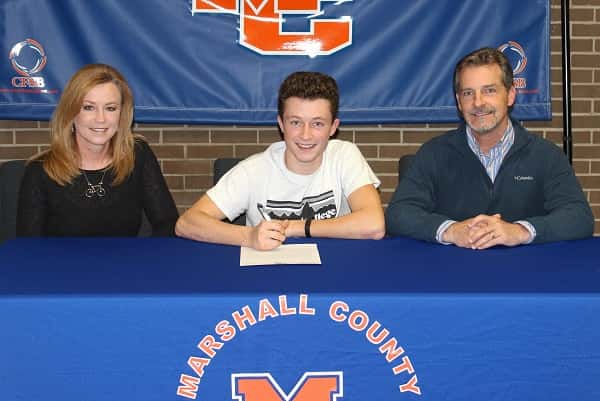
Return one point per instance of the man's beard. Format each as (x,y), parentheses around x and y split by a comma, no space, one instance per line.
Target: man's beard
(487,128)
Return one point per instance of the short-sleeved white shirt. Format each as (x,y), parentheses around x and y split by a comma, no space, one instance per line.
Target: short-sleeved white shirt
(262,181)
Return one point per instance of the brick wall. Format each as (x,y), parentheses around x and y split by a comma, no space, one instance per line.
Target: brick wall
(187,152)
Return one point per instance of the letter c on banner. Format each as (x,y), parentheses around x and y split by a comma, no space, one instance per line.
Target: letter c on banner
(260,29)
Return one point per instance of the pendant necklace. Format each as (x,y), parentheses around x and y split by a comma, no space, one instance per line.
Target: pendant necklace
(92,189)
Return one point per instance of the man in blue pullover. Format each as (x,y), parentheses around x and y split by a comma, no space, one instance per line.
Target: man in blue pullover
(490,182)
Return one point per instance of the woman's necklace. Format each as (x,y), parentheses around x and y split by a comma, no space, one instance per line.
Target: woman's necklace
(92,189)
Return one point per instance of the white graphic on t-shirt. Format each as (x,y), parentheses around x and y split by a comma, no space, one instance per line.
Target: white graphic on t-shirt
(317,207)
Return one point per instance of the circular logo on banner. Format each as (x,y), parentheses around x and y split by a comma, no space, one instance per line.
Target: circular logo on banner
(28,57)
(516,55)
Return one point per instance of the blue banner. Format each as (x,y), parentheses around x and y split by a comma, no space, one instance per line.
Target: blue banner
(221,61)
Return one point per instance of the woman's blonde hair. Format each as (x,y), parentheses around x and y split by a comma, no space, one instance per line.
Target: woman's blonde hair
(61,161)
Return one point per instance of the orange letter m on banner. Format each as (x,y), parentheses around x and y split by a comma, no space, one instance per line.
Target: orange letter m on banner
(261,24)
(313,386)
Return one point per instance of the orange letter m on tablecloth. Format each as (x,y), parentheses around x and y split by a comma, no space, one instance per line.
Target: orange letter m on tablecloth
(312,386)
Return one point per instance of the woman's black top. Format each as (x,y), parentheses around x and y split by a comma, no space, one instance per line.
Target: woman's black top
(87,208)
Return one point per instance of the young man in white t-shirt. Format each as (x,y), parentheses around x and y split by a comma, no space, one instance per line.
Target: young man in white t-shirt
(306,185)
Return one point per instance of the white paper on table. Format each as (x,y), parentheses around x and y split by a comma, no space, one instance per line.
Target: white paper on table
(286,254)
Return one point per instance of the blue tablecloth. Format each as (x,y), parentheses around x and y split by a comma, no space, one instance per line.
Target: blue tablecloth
(397,319)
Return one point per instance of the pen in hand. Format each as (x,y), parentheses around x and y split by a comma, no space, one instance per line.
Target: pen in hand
(277,230)
(261,210)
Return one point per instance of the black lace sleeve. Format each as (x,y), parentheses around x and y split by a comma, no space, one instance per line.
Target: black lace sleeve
(32,207)
(158,202)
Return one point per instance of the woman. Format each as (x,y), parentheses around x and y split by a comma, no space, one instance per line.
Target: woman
(97,177)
